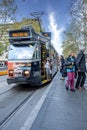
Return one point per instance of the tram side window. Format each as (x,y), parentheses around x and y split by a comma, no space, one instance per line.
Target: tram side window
(36,54)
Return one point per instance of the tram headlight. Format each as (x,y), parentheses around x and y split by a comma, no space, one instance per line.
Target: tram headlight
(11,73)
(26,73)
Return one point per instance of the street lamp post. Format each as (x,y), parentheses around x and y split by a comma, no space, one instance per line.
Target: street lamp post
(37,15)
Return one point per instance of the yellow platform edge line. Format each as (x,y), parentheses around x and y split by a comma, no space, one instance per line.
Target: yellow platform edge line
(45,81)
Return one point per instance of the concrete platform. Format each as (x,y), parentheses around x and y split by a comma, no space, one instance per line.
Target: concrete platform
(62,109)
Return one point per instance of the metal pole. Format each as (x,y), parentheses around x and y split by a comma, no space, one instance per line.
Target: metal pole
(39,25)
(37,15)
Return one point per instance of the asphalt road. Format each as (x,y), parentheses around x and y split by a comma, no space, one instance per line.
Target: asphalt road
(18,102)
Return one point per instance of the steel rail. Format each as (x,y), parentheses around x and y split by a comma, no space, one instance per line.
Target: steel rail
(6,119)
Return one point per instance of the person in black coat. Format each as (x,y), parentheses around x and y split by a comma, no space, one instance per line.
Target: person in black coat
(62,61)
(81,69)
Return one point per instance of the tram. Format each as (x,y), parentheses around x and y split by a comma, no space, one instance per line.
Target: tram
(27,52)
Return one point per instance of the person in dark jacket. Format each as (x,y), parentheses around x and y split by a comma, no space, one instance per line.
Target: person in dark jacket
(81,69)
(62,67)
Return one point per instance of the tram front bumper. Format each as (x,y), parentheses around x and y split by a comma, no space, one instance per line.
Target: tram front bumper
(21,80)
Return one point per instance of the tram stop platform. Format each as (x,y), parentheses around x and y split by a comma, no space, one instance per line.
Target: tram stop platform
(62,109)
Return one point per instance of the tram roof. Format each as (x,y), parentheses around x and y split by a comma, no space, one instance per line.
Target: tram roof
(26,34)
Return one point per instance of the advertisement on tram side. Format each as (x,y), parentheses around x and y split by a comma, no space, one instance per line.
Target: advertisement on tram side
(17,69)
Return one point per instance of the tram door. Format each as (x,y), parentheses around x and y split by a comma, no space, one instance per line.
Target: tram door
(43,61)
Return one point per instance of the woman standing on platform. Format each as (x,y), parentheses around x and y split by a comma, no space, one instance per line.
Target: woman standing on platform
(70,68)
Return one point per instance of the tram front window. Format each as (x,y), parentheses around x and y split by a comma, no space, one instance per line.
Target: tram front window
(20,52)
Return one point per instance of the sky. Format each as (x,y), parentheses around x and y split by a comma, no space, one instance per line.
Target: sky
(55,17)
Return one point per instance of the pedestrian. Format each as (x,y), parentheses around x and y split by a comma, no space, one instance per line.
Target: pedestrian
(81,69)
(70,68)
(48,69)
(62,61)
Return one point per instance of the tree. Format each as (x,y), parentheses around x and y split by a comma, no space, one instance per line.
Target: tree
(76,32)
(79,16)
(69,41)
(7,15)
(7,11)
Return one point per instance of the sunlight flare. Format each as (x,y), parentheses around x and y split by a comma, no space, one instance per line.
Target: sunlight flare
(56,33)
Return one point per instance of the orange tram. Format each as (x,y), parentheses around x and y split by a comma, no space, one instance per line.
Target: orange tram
(28,51)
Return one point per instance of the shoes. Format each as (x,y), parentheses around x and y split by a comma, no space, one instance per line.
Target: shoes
(66,88)
(62,78)
(79,88)
(72,90)
(82,88)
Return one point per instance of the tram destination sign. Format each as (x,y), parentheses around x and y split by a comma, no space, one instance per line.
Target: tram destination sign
(46,34)
(15,34)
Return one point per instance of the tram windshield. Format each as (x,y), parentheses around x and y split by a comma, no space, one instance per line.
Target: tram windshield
(21,52)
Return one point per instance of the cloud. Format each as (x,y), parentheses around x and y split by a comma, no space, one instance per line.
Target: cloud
(56,33)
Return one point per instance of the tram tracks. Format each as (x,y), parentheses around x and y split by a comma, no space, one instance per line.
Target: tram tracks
(3,80)
(15,110)
(15,100)
(3,83)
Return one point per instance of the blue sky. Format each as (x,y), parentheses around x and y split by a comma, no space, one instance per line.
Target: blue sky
(55,16)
